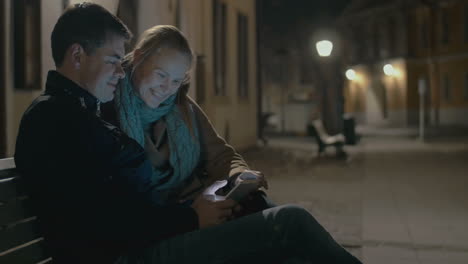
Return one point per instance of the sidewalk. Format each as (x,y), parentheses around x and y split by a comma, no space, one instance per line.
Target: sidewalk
(396,200)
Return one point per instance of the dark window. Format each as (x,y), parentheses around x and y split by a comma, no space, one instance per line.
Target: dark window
(219,43)
(465,87)
(242,55)
(446,88)
(27,40)
(424,37)
(178,18)
(65,3)
(444,24)
(391,37)
(200,75)
(127,12)
(465,27)
(2,83)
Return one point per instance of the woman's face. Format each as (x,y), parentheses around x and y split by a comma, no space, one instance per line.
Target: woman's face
(160,76)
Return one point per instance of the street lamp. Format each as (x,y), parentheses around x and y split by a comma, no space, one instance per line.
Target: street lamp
(324,48)
(389,70)
(351,75)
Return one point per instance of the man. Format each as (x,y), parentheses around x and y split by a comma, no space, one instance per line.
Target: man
(90,185)
(81,171)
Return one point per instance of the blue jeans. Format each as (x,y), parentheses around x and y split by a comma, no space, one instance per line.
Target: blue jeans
(284,234)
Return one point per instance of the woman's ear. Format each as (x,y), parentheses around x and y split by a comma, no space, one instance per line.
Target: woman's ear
(137,56)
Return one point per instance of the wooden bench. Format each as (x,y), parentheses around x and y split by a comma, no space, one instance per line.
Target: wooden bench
(20,241)
(324,140)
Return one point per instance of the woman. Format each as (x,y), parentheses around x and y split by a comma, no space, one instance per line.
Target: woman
(152,106)
(187,154)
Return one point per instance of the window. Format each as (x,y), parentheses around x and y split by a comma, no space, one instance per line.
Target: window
(465,27)
(444,24)
(3,145)
(65,3)
(127,11)
(242,55)
(219,44)
(424,35)
(178,18)
(465,87)
(445,88)
(27,48)
(391,26)
(200,75)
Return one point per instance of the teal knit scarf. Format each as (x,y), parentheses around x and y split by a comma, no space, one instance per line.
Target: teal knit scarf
(136,119)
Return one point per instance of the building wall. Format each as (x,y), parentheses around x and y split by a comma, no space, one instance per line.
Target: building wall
(375,98)
(232,116)
(429,58)
(436,59)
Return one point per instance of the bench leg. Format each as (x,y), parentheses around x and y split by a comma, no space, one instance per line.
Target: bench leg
(340,153)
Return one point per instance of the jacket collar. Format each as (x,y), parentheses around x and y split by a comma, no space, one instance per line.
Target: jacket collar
(59,85)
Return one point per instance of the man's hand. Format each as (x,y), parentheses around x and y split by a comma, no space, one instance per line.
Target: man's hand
(253,175)
(211,213)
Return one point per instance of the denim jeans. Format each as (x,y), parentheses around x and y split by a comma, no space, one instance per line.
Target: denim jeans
(284,234)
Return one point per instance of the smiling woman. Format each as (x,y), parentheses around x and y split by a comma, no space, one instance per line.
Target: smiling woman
(161,75)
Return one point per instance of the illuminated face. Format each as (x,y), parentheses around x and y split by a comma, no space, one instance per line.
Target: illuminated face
(161,75)
(100,72)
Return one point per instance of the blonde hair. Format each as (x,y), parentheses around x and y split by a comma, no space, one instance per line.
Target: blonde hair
(152,41)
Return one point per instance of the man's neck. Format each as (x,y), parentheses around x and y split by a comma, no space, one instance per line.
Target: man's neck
(71,75)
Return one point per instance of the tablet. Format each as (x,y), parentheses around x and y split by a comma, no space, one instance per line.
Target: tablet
(242,190)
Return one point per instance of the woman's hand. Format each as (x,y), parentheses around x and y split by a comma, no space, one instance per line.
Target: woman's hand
(251,174)
(211,213)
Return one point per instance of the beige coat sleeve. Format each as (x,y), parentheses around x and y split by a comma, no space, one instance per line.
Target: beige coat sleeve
(220,160)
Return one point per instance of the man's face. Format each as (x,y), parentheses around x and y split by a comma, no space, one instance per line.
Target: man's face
(101,71)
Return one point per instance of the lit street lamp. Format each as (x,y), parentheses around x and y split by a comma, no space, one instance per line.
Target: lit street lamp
(389,70)
(324,48)
(351,74)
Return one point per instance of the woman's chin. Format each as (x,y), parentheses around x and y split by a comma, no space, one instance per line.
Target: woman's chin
(153,105)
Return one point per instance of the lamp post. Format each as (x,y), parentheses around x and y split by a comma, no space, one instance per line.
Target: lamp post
(329,82)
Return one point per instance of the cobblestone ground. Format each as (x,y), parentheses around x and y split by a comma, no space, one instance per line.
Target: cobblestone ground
(328,188)
(395,200)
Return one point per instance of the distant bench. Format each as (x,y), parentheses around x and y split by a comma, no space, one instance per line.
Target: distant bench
(324,140)
(20,241)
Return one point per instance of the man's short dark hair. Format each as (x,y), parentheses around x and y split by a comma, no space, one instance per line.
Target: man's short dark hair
(87,24)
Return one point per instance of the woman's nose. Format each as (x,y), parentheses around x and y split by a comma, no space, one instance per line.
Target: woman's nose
(119,71)
(165,84)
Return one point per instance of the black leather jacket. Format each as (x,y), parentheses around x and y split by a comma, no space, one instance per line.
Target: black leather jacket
(89,181)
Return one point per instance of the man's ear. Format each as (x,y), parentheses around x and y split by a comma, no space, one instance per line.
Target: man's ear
(76,55)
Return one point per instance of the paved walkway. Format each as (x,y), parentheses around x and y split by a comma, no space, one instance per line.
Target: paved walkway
(395,200)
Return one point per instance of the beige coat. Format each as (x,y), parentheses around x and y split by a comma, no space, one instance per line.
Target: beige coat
(218,159)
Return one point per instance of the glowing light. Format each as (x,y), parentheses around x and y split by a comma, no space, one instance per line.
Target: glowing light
(351,75)
(389,70)
(324,48)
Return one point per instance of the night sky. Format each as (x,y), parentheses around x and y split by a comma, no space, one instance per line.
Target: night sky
(282,14)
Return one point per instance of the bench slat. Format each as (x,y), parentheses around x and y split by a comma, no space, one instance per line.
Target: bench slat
(11,189)
(8,163)
(8,173)
(33,253)
(19,234)
(15,211)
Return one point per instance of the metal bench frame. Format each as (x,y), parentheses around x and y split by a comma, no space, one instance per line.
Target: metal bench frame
(324,139)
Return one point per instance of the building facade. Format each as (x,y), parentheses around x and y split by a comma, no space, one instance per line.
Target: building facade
(408,60)
(222,34)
